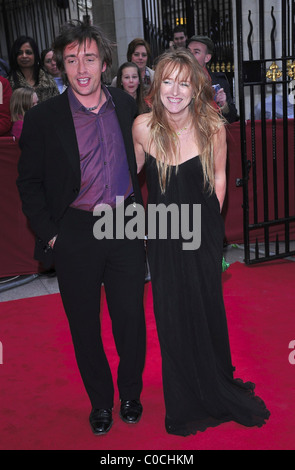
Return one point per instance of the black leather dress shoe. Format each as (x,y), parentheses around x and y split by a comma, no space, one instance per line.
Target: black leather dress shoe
(101,420)
(130,411)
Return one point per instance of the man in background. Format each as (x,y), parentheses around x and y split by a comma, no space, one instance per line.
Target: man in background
(202,47)
(179,37)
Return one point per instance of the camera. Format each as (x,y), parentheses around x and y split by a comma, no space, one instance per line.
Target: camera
(216,89)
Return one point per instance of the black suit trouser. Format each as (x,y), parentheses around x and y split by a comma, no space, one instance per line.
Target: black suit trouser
(82,264)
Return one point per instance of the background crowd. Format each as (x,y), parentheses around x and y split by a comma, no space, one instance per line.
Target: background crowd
(39,78)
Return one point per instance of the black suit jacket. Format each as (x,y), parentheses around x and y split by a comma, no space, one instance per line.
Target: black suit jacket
(49,166)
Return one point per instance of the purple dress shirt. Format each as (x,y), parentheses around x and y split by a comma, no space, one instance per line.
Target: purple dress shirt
(103,160)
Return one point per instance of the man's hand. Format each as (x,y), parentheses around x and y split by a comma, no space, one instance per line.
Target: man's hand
(52,242)
(221,98)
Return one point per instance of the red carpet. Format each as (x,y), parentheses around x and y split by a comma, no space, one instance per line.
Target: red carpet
(43,404)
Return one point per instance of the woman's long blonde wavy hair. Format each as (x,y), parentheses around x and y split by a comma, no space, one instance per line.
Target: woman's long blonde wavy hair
(205,117)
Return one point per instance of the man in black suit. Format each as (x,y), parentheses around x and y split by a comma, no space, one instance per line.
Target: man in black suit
(77,156)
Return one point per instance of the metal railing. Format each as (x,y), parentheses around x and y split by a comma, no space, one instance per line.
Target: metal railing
(40,19)
(267,139)
(212,18)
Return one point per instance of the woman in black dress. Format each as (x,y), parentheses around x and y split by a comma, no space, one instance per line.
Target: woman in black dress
(182,143)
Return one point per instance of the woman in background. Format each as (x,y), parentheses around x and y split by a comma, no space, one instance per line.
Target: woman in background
(139,53)
(129,79)
(48,63)
(25,69)
(21,101)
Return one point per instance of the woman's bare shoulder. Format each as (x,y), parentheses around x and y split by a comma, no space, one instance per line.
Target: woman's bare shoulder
(142,120)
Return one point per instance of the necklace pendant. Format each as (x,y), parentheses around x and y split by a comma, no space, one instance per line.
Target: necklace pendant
(181,130)
(93,108)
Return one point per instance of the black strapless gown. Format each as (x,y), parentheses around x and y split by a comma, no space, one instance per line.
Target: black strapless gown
(199,387)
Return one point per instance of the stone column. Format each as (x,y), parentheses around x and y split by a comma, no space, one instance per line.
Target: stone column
(129,25)
(104,17)
(122,21)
